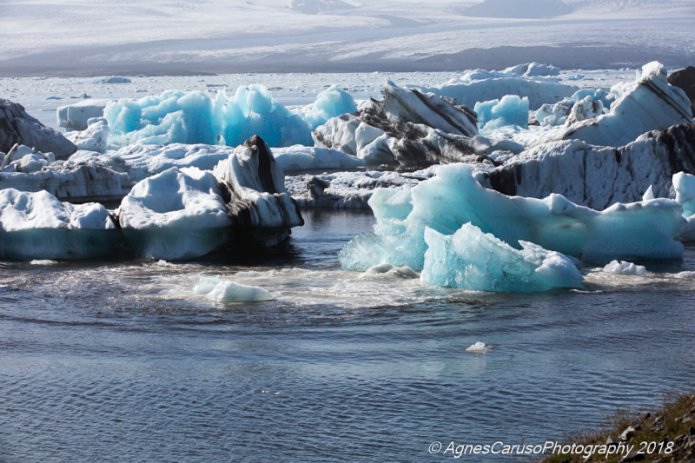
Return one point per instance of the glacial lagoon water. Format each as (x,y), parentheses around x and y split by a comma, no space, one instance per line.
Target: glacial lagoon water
(121,361)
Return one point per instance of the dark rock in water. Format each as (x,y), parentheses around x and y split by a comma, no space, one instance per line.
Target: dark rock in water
(253,185)
(599,176)
(407,128)
(685,79)
(18,127)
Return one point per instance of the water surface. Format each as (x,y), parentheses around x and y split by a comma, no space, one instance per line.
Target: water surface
(121,361)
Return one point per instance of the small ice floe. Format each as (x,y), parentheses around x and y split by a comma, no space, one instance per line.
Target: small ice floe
(218,290)
(621,267)
(43,262)
(478,347)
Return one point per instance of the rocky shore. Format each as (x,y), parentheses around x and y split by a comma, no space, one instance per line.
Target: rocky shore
(663,435)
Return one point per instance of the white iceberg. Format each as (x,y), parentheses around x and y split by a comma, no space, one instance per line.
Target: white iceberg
(650,103)
(480,85)
(37,226)
(598,176)
(175,215)
(94,138)
(224,291)
(75,116)
(621,267)
(303,159)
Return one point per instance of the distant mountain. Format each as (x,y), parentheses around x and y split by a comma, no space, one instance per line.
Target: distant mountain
(519,9)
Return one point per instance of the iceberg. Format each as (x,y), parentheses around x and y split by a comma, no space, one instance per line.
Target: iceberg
(77,182)
(199,117)
(684,186)
(93,138)
(621,267)
(37,226)
(25,160)
(304,159)
(511,110)
(256,196)
(477,261)
(685,79)
(650,103)
(19,128)
(480,85)
(597,176)
(175,215)
(453,198)
(406,127)
(75,116)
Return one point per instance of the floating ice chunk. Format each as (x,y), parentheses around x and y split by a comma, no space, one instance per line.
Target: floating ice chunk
(481,85)
(222,291)
(93,138)
(511,110)
(255,182)
(349,190)
(303,159)
(599,176)
(478,347)
(533,70)
(25,160)
(75,116)
(113,80)
(648,104)
(684,185)
(406,127)
(453,198)
(471,259)
(18,127)
(37,226)
(621,267)
(175,215)
(43,262)
(199,117)
(331,102)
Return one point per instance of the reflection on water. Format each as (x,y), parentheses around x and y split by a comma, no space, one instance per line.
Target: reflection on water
(120,361)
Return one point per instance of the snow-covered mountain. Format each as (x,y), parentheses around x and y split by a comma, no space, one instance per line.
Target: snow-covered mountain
(177,36)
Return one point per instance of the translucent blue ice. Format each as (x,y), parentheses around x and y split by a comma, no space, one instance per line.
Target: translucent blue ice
(200,117)
(453,198)
(511,110)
